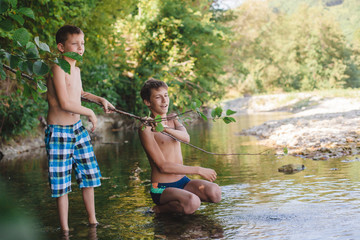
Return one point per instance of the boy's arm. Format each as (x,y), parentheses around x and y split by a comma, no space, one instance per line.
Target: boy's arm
(106,104)
(66,102)
(179,131)
(154,152)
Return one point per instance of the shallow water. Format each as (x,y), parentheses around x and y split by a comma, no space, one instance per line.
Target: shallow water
(258,202)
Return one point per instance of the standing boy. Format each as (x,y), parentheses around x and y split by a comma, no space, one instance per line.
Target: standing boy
(172,190)
(67,141)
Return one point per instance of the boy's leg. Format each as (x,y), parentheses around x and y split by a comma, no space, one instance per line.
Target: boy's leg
(177,200)
(63,209)
(88,197)
(87,171)
(205,190)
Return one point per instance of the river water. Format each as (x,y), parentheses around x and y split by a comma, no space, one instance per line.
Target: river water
(258,202)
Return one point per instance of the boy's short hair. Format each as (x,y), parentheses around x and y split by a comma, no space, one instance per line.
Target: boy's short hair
(152,83)
(64,31)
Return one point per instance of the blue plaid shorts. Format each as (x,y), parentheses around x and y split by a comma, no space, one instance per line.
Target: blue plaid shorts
(69,147)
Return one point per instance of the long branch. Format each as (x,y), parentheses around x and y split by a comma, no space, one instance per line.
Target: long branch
(14,71)
(146,122)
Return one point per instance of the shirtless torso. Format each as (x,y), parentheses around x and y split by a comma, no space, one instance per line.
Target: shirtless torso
(73,88)
(171,150)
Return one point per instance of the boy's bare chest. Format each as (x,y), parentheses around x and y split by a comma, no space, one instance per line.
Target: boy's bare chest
(73,83)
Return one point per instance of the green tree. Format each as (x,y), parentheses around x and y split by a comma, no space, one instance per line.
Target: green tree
(176,41)
(303,50)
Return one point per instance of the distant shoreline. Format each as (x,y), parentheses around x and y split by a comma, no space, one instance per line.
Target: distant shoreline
(321,128)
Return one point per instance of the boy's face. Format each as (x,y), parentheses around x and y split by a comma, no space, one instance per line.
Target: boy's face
(74,43)
(159,101)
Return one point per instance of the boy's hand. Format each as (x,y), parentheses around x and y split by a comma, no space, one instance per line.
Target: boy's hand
(93,120)
(107,106)
(207,173)
(149,121)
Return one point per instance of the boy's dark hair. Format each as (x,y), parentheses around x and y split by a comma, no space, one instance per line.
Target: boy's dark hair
(152,83)
(64,31)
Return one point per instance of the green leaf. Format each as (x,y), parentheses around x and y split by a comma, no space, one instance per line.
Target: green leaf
(213,114)
(198,103)
(2,73)
(13,2)
(29,68)
(22,36)
(14,61)
(18,75)
(286,151)
(7,56)
(4,6)
(40,68)
(34,95)
(203,116)
(27,12)
(158,119)
(41,87)
(27,91)
(37,40)
(6,24)
(26,66)
(159,127)
(18,18)
(230,112)
(30,45)
(32,52)
(22,66)
(43,46)
(216,112)
(65,65)
(193,105)
(228,120)
(73,55)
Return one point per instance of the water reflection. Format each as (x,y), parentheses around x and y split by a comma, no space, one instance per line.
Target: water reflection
(258,202)
(197,226)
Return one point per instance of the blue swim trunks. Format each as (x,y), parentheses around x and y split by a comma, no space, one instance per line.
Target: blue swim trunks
(157,188)
(69,147)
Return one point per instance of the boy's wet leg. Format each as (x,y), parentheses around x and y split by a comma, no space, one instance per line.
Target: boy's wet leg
(63,210)
(89,201)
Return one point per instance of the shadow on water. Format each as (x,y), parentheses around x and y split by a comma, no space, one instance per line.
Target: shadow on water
(258,201)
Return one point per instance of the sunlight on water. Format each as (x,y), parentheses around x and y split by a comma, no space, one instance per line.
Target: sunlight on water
(258,202)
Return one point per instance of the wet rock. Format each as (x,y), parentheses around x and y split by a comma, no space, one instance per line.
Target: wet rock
(291,168)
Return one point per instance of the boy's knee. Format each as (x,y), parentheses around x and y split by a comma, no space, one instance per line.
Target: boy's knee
(192,203)
(214,194)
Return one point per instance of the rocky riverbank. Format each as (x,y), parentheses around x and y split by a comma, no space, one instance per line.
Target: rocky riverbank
(321,128)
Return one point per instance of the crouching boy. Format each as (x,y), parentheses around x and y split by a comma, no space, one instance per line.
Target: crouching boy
(172,190)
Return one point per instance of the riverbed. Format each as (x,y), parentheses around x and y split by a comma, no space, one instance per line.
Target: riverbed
(258,202)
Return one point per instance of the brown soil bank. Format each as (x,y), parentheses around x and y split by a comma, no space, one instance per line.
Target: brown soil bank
(321,127)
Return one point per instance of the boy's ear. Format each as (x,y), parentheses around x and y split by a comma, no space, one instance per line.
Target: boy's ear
(61,47)
(147,103)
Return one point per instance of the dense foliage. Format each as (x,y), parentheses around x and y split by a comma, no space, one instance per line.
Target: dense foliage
(127,42)
(303,49)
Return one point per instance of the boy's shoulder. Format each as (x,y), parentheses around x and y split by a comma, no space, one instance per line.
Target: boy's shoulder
(57,69)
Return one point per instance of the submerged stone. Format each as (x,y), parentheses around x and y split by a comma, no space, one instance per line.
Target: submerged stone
(291,168)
